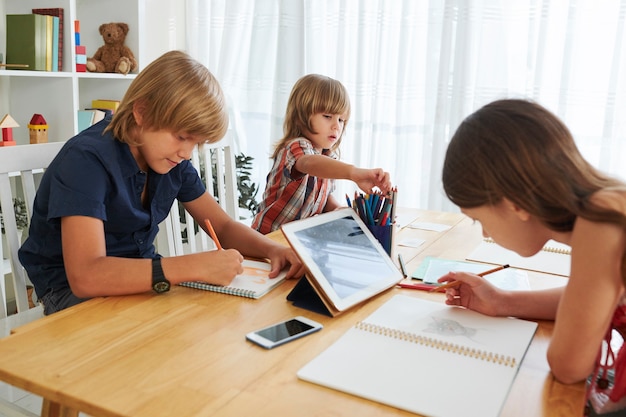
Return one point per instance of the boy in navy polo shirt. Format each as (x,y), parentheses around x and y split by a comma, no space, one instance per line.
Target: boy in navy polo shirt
(100,201)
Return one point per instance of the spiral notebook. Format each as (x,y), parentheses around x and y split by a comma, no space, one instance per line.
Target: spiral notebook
(253,283)
(426,357)
(554,258)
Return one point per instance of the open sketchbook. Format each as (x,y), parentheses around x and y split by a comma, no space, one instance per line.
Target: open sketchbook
(427,358)
(253,283)
(554,258)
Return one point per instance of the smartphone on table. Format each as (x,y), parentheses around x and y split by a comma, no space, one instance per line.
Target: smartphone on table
(283,332)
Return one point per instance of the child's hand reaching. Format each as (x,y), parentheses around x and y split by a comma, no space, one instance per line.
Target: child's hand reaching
(367,179)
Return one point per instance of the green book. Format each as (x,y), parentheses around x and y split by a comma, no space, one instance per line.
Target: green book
(26,40)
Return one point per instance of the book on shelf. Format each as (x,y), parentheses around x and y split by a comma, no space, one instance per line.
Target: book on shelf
(55,44)
(85,119)
(102,113)
(58,38)
(254,282)
(554,258)
(105,104)
(427,358)
(49,34)
(89,117)
(26,38)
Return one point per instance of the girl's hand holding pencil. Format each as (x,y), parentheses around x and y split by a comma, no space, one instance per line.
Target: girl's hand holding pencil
(453,284)
(474,292)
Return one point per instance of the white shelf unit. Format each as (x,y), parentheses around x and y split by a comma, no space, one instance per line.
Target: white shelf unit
(59,95)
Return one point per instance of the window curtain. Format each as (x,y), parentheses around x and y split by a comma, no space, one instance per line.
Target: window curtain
(415,69)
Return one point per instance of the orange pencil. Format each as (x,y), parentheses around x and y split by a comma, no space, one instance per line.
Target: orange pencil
(212,233)
(453,284)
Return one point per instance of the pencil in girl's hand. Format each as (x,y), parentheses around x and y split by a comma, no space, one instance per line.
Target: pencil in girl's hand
(212,233)
(453,284)
(450,284)
(491,271)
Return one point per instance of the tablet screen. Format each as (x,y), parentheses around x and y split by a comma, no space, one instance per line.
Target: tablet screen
(344,258)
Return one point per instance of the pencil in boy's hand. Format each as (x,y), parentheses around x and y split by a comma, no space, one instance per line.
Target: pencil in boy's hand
(209,226)
(453,284)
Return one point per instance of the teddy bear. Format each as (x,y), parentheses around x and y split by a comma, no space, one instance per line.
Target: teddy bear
(113,56)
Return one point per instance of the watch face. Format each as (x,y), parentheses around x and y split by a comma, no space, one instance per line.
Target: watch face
(161,286)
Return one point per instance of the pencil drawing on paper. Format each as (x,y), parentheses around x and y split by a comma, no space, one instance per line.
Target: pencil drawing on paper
(447,327)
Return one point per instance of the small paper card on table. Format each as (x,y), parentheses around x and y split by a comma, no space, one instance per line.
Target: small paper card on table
(436,227)
(411,242)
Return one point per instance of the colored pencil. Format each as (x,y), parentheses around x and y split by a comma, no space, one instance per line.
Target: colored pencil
(422,287)
(402,265)
(212,233)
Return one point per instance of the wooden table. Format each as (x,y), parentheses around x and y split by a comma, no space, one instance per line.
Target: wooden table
(184,353)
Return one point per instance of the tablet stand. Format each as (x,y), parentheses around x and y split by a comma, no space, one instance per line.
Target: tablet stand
(303,295)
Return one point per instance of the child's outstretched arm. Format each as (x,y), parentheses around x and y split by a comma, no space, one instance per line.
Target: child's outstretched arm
(324,167)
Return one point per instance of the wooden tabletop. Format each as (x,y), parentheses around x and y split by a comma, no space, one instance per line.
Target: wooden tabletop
(184,353)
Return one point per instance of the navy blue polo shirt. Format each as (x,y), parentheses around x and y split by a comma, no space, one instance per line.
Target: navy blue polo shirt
(96,175)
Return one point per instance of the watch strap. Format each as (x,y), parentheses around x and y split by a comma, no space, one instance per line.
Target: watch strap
(160,284)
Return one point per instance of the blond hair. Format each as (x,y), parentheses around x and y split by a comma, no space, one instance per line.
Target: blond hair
(177,94)
(313,94)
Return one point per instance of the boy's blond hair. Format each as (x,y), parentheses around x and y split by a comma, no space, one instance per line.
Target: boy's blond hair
(177,94)
(313,94)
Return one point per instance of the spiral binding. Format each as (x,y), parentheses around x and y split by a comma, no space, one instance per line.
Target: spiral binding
(438,344)
(216,288)
(562,251)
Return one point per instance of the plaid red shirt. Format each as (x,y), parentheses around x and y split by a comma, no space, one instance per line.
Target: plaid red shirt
(290,195)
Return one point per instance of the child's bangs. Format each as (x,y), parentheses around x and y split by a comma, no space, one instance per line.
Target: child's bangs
(209,125)
(333,101)
(204,118)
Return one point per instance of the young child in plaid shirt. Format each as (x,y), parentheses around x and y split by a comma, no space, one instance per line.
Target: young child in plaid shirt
(306,159)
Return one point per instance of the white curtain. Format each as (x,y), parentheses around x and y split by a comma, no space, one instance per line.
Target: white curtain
(415,69)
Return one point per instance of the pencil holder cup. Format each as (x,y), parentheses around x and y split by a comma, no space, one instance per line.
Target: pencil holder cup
(384,235)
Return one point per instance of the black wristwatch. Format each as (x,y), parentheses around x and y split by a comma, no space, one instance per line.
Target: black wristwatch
(160,284)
